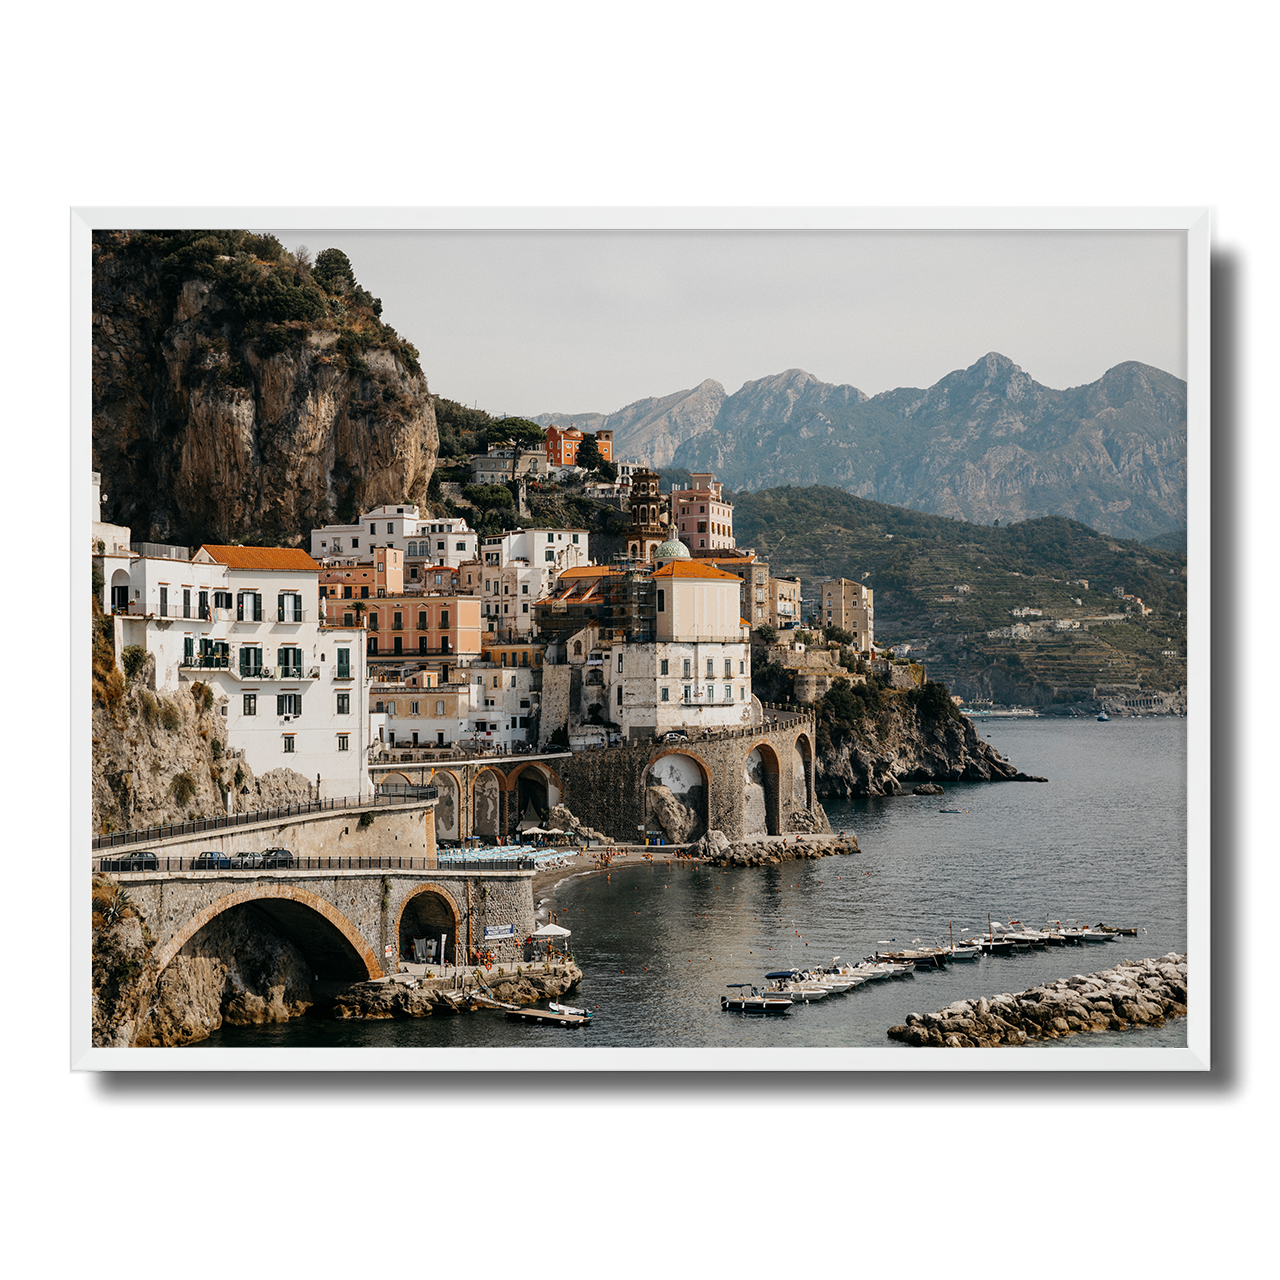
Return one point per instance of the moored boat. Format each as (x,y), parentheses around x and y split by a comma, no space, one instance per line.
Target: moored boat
(755,1002)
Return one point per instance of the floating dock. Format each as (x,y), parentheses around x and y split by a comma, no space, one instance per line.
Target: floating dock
(545,1017)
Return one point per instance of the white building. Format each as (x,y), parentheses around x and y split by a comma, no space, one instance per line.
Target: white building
(697,673)
(442,540)
(519,568)
(246,621)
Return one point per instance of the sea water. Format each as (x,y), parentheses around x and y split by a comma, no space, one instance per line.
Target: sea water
(1102,841)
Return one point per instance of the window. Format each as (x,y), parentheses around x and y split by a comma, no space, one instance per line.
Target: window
(711,693)
(728,693)
(439,706)
(289,606)
(688,668)
(742,694)
(390,529)
(288,743)
(551,537)
(346,593)
(440,546)
(524,608)
(662,600)
(288,704)
(422,619)
(728,666)
(364,593)
(373,621)
(348,619)
(186,602)
(251,704)
(619,664)
(742,667)
(461,546)
(413,708)
(344,664)
(711,667)
(619,695)
(344,704)
(444,617)
(550,556)
(666,665)
(355,542)
(343,742)
(688,693)
(164,602)
(397,621)
(666,695)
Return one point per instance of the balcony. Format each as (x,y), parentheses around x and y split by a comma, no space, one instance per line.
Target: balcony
(341,673)
(221,662)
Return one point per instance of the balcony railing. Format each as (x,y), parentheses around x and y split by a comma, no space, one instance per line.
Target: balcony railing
(206,661)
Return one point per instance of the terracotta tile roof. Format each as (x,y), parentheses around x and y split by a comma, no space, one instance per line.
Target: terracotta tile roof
(693,569)
(586,571)
(262,557)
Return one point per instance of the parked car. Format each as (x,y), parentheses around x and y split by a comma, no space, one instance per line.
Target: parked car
(144,860)
(277,858)
(210,860)
(676,735)
(242,861)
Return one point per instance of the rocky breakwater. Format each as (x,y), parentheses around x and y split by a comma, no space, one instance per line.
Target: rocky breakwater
(403,997)
(1135,993)
(760,851)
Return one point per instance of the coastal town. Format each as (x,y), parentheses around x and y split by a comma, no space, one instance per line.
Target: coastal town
(404,635)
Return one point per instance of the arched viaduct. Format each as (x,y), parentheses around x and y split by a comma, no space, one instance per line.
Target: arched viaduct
(744,781)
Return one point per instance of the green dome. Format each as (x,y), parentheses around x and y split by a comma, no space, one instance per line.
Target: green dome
(672,549)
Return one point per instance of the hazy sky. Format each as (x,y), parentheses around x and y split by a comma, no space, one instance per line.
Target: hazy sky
(526,322)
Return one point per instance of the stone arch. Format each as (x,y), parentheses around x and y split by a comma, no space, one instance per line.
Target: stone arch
(396,778)
(487,803)
(289,908)
(427,912)
(677,795)
(533,783)
(802,772)
(761,776)
(449,805)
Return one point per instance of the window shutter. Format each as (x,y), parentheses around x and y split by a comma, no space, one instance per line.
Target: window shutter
(239,606)
(280,606)
(280,704)
(257,607)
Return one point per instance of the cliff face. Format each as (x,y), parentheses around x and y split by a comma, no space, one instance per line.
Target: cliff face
(904,747)
(161,758)
(240,395)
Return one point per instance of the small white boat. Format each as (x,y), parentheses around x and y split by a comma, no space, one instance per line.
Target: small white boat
(564,1008)
(755,1002)
(789,983)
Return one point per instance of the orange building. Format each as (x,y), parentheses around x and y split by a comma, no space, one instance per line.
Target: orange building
(563,444)
(402,626)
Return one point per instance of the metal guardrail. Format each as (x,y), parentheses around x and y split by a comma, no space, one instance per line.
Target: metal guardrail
(219,863)
(144,835)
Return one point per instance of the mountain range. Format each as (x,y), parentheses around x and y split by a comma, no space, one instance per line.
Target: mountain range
(983,443)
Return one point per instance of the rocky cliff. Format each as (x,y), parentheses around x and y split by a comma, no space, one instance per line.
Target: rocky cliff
(898,742)
(163,757)
(242,394)
(983,443)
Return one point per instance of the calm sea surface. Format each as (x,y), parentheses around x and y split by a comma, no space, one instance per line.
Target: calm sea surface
(1104,840)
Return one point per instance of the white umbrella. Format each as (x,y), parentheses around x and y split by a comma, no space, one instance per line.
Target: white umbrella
(551,931)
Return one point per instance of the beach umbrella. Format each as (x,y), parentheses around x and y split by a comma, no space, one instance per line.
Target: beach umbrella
(552,931)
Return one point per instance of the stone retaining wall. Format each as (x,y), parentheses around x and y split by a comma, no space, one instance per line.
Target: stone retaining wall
(1135,993)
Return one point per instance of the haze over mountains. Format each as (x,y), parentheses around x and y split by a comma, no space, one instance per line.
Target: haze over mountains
(983,443)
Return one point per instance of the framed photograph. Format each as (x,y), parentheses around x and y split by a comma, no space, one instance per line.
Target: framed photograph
(641,639)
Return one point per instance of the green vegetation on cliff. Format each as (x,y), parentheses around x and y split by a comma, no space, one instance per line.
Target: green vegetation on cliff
(949,582)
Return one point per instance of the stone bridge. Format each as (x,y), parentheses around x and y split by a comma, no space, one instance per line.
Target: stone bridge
(353,903)
(350,924)
(754,780)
